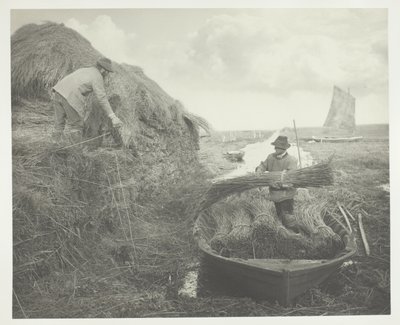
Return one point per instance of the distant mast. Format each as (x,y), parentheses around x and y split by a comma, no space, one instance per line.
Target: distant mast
(341,114)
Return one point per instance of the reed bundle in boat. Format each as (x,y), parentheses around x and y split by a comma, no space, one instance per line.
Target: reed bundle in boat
(292,245)
(326,243)
(222,223)
(238,242)
(264,235)
(241,223)
(309,214)
(257,231)
(239,239)
(265,221)
(219,243)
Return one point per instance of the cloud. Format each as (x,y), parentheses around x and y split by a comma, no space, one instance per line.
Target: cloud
(107,38)
(261,69)
(267,53)
(277,51)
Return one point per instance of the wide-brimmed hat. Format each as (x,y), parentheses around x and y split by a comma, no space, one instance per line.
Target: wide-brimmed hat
(105,63)
(281,142)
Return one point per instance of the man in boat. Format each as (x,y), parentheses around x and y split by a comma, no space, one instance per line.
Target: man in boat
(281,194)
(69,98)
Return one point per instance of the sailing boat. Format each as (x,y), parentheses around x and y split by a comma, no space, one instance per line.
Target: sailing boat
(340,122)
(341,112)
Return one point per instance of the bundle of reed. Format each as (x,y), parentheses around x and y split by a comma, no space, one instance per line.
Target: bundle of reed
(313,176)
(265,219)
(222,225)
(292,245)
(239,241)
(241,223)
(219,243)
(264,236)
(308,214)
(228,217)
(222,214)
(326,243)
(264,228)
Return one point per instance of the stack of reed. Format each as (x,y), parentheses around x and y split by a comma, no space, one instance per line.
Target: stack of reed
(257,232)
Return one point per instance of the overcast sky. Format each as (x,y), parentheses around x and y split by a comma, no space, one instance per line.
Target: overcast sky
(246,68)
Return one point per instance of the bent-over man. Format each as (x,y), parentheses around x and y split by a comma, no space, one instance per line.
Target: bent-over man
(69,98)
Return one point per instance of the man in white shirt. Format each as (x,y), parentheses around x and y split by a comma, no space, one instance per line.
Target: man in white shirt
(69,98)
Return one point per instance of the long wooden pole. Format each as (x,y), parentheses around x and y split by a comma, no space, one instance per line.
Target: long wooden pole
(345,217)
(363,236)
(297,141)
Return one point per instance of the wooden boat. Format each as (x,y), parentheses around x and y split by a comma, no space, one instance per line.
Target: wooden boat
(279,280)
(341,113)
(234,155)
(336,139)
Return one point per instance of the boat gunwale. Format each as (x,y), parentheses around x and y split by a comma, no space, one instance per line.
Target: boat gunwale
(325,263)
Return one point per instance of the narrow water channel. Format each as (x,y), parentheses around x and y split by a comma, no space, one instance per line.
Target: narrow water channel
(257,152)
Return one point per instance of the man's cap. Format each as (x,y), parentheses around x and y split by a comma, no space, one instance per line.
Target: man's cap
(105,63)
(281,142)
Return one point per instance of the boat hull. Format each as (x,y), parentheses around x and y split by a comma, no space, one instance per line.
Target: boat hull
(280,280)
(276,280)
(337,139)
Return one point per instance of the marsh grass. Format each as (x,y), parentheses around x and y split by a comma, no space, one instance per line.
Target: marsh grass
(80,215)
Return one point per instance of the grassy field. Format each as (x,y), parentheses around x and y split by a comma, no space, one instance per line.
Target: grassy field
(123,289)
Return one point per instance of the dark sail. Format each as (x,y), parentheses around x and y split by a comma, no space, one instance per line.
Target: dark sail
(341,112)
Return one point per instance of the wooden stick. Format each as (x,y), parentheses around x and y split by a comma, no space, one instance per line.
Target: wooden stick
(345,217)
(126,205)
(85,141)
(363,236)
(297,141)
(339,222)
(348,212)
(19,303)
